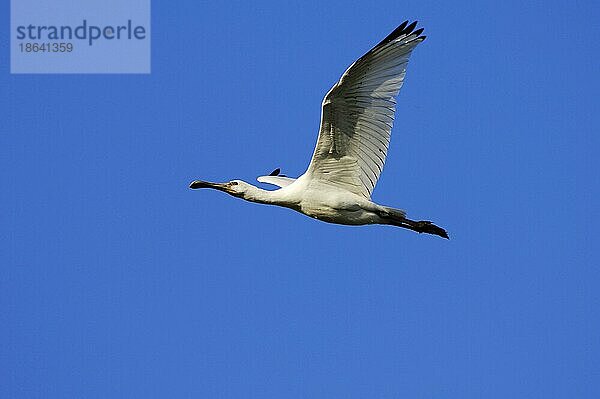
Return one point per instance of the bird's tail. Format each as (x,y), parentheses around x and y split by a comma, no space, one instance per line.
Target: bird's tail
(396,217)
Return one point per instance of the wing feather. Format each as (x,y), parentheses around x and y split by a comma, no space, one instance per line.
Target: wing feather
(280,181)
(358,114)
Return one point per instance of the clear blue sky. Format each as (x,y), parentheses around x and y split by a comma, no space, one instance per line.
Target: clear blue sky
(117,281)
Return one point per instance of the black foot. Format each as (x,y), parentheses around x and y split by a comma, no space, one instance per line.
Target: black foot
(424,226)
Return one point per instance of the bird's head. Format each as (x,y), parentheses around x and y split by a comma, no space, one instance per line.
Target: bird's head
(237,188)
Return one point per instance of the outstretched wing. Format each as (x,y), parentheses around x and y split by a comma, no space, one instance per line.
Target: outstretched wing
(358,113)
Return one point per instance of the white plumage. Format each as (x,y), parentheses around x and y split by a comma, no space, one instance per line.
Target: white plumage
(356,122)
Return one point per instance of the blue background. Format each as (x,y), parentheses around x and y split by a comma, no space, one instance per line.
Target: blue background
(119,281)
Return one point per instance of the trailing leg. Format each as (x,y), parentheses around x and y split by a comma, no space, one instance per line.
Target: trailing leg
(396,217)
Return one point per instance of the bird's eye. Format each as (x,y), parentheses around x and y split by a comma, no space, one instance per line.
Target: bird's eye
(234,183)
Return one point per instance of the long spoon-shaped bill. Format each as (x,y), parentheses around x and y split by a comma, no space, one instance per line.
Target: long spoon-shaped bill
(206,184)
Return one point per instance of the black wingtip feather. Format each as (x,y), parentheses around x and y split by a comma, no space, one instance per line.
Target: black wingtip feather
(402,26)
(410,28)
(395,33)
(402,29)
(275,172)
(418,32)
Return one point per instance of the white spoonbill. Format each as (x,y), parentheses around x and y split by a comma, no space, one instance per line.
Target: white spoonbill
(356,123)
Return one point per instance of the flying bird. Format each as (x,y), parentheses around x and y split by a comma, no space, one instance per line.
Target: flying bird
(356,122)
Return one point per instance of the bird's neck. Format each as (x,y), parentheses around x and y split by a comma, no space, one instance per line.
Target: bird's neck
(255,194)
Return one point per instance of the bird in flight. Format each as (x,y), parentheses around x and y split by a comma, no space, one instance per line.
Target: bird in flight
(356,122)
